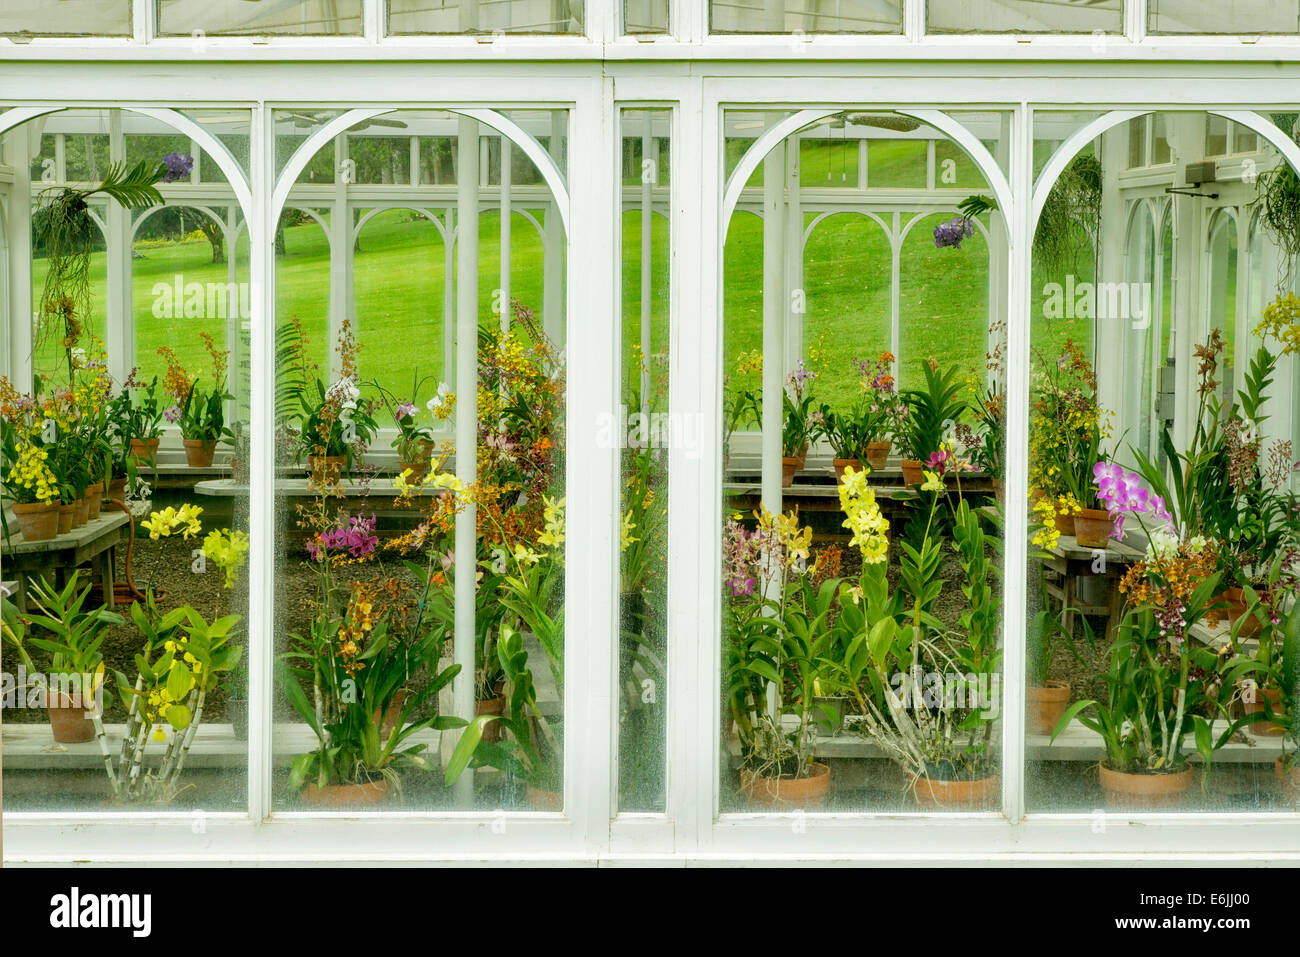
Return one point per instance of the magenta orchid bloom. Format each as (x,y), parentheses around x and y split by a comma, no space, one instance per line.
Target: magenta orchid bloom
(1123,493)
(405,410)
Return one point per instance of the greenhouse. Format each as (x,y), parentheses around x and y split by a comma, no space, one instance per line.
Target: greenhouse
(687,430)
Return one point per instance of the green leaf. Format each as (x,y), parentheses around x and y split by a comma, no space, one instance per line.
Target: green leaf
(179,681)
(179,717)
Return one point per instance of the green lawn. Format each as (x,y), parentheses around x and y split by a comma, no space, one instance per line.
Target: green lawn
(399,286)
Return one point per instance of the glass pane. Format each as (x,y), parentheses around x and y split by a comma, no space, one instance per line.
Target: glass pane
(1161,511)
(67,17)
(805,16)
(505,16)
(1212,16)
(143,315)
(421,589)
(647,445)
(1024,16)
(645,16)
(236,17)
(1137,142)
(812,547)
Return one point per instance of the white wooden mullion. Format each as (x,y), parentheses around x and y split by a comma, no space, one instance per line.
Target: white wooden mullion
(1016,556)
(261,504)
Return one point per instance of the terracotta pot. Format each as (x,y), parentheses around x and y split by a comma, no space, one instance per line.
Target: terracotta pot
(497,705)
(803,455)
(788,467)
(1265,729)
(1064,524)
(544,800)
(1000,491)
(1046,705)
(370,794)
(1145,792)
(878,454)
(842,464)
(956,795)
(913,471)
(1236,610)
(1289,780)
(38,521)
(144,450)
(392,714)
(70,724)
(94,499)
(325,470)
(199,452)
(116,488)
(419,469)
(66,515)
(1092,527)
(783,792)
(80,512)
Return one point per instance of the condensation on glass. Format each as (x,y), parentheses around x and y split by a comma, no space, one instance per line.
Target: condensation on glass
(473,16)
(160,325)
(830,327)
(263,17)
(1151,282)
(67,18)
(648,443)
(805,16)
(1024,16)
(420,283)
(1236,16)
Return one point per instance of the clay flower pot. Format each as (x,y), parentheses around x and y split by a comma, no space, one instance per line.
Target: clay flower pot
(877,454)
(803,455)
(144,450)
(1237,610)
(788,467)
(1092,527)
(1145,792)
(961,795)
(842,464)
(370,794)
(66,515)
(1000,491)
(782,792)
(70,724)
(199,452)
(495,706)
(325,470)
(913,471)
(1265,729)
(94,500)
(80,512)
(38,521)
(1045,706)
(116,488)
(544,800)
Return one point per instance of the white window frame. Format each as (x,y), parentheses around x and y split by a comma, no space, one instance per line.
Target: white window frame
(699,79)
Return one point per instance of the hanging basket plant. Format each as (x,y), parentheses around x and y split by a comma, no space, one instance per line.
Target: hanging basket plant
(1278,202)
(952,231)
(1071,217)
(65,231)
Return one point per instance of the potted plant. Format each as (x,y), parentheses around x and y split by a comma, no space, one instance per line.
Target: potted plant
(801,421)
(1046,698)
(76,662)
(928,696)
(334,424)
(933,413)
(34,491)
(739,404)
(884,411)
(198,409)
(1066,432)
(414,443)
(365,645)
(778,637)
(143,419)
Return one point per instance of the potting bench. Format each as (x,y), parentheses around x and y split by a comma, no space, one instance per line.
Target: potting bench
(95,543)
(1069,561)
